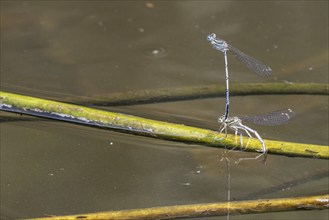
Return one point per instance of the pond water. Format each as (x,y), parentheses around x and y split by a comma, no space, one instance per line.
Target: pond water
(59,49)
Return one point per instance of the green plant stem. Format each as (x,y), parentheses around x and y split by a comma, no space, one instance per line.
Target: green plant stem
(210,209)
(147,127)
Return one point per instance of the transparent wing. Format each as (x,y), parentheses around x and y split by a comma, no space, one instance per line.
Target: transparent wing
(271,119)
(250,62)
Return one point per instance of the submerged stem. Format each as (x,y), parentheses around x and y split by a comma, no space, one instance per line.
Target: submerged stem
(205,91)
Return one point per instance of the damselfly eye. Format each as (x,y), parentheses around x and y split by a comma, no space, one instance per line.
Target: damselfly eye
(221,119)
(211,37)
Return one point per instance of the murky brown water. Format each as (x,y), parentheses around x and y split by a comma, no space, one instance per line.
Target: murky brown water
(62,49)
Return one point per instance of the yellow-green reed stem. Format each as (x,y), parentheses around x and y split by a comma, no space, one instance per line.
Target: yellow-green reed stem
(148,127)
(209,209)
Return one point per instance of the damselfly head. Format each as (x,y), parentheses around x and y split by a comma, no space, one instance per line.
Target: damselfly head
(221,119)
(217,43)
(211,37)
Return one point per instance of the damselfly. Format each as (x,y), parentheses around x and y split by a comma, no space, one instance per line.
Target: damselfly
(268,119)
(250,62)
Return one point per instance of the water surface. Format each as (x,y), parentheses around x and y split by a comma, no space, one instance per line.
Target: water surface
(58,49)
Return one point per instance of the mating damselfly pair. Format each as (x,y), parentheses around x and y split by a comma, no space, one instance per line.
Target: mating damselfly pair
(235,123)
